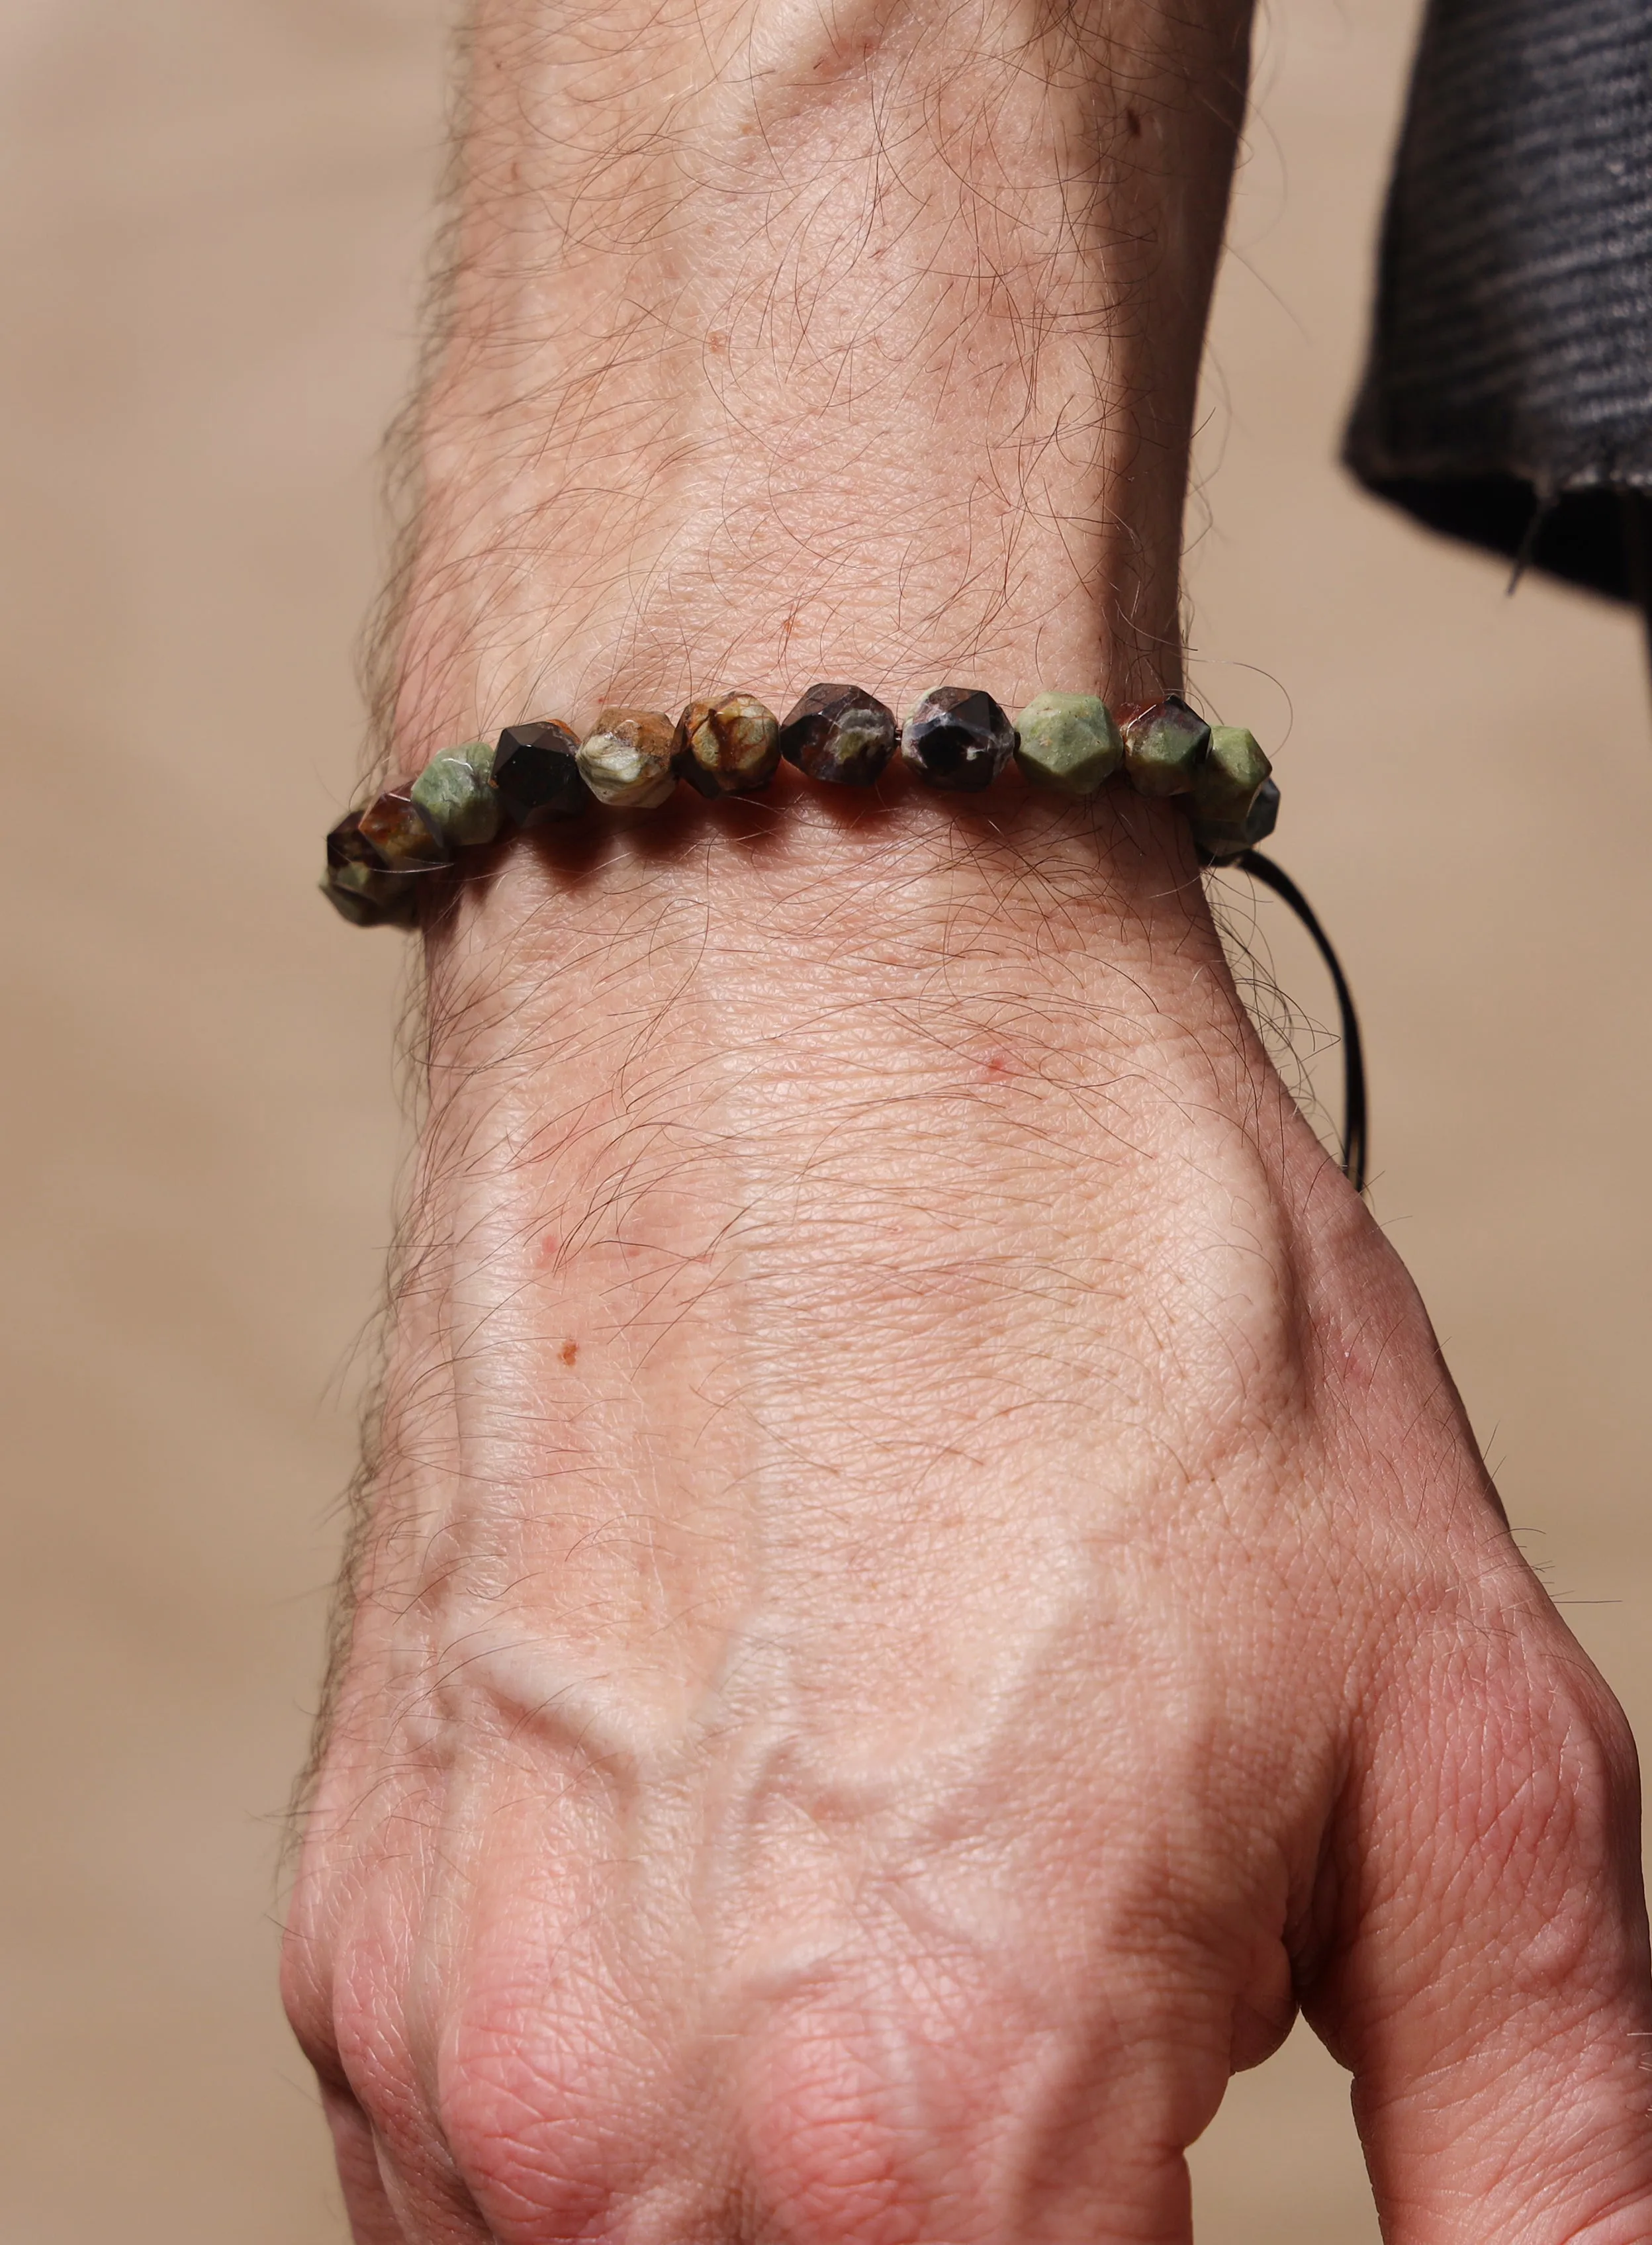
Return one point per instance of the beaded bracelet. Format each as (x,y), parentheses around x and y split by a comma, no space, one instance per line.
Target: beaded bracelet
(955,738)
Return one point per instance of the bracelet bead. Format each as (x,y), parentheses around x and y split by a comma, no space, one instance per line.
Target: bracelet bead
(1163,746)
(456,793)
(1225,784)
(536,773)
(626,760)
(957,738)
(370,897)
(728,747)
(839,734)
(1228,839)
(403,836)
(1068,742)
(360,883)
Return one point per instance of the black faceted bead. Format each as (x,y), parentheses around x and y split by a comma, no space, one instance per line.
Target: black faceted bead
(840,734)
(957,738)
(536,776)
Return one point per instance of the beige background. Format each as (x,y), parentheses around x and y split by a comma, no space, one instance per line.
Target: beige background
(212,218)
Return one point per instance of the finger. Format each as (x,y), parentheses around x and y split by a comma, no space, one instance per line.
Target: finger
(372,2219)
(1494,2003)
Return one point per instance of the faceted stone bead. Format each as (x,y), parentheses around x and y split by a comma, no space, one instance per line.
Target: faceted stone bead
(402,834)
(957,738)
(839,734)
(370,897)
(730,746)
(1068,742)
(1164,745)
(536,773)
(628,759)
(1219,840)
(1225,784)
(345,846)
(458,798)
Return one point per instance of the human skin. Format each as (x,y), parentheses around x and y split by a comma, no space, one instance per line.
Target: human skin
(923,1583)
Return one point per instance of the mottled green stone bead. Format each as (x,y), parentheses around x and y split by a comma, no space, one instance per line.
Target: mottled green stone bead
(1068,742)
(1225,784)
(370,897)
(1164,745)
(455,793)
(627,761)
(1227,791)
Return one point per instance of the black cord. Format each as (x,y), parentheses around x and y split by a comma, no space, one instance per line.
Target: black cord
(1355,1128)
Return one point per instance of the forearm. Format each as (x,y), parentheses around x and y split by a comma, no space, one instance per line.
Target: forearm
(788,342)
(779,348)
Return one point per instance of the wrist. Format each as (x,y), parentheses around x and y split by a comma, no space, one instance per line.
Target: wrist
(767,1147)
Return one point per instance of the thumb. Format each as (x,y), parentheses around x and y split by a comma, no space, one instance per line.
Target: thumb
(1491,1995)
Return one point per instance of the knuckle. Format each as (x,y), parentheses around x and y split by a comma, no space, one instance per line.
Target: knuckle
(533,2116)
(367,2027)
(1546,1793)
(306,1998)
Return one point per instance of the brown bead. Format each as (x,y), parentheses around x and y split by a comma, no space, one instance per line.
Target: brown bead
(345,846)
(730,746)
(839,734)
(957,738)
(1164,745)
(401,833)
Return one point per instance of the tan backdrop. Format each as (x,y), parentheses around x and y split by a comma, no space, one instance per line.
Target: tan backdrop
(212,218)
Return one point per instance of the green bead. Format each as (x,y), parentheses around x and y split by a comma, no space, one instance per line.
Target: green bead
(1225,785)
(1164,746)
(370,897)
(1068,742)
(1233,801)
(458,798)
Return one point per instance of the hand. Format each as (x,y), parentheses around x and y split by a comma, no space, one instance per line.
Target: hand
(923,1583)
(932,1585)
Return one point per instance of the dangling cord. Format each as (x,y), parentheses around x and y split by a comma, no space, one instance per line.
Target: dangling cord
(1354,1122)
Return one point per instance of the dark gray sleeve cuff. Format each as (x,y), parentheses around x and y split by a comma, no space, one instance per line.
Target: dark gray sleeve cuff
(1507,398)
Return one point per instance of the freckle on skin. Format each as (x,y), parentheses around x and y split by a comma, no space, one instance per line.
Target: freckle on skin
(999,1063)
(570,1351)
(548,1247)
